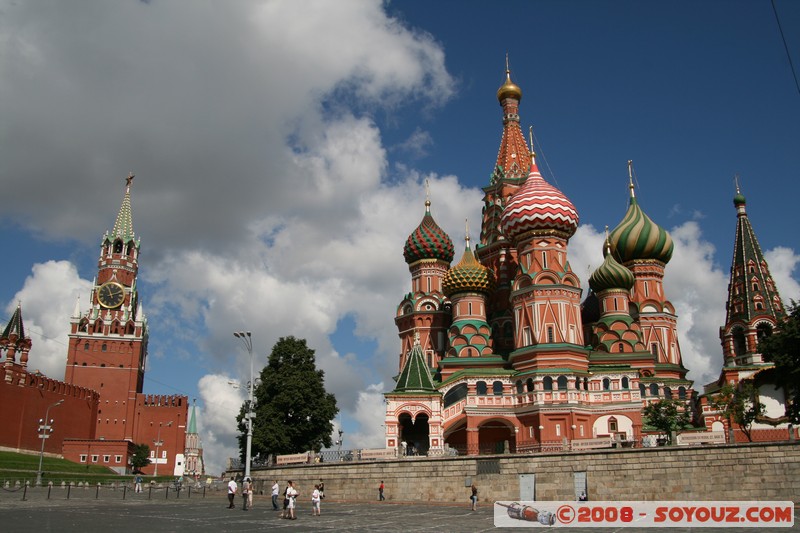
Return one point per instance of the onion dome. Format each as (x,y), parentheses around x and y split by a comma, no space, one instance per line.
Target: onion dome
(509,89)
(428,241)
(468,276)
(537,205)
(611,275)
(638,237)
(738,199)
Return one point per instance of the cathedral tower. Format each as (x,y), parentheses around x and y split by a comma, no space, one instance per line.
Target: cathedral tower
(754,307)
(645,248)
(545,294)
(467,285)
(495,250)
(424,311)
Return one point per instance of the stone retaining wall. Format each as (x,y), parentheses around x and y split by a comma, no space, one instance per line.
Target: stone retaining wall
(730,472)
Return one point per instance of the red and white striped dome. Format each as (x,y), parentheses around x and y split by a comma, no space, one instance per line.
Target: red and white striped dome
(537,205)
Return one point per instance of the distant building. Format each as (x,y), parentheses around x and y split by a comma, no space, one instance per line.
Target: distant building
(194,448)
(104,413)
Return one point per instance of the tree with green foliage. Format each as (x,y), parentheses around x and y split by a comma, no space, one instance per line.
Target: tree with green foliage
(783,349)
(667,415)
(737,403)
(294,413)
(140,457)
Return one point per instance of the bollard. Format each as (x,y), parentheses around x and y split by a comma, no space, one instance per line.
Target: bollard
(24,492)
(204,491)
(97,492)
(150,492)
(69,488)
(49,488)
(124,491)
(166,493)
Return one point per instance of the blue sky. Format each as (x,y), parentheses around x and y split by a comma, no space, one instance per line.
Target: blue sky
(281,150)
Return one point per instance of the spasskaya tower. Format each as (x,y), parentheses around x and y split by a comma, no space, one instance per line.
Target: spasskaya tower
(108,344)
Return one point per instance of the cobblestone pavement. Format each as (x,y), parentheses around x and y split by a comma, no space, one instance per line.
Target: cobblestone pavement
(88,511)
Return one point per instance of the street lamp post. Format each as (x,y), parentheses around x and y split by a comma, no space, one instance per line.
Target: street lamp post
(159,443)
(247,339)
(45,428)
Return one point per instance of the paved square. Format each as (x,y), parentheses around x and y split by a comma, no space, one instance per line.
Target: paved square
(88,510)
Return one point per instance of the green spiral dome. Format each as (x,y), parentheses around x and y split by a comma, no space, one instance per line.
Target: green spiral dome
(611,275)
(638,237)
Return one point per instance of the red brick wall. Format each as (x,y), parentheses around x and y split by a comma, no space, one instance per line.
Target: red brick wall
(154,411)
(110,453)
(24,399)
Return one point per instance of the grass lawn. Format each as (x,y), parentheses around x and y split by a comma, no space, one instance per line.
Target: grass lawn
(23,467)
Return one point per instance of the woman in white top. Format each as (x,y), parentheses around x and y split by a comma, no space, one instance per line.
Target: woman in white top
(291,494)
(315,497)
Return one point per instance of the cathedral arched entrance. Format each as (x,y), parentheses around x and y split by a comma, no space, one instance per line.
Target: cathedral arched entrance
(414,433)
(492,436)
(456,437)
(496,436)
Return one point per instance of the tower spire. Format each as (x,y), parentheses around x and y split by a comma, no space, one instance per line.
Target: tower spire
(13,340)
(512,158)
(533,150)
(123,226)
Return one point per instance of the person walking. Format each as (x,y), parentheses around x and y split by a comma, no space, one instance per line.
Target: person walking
(380,492)
(474,497)
(315,498)
(138,485)
(276,489)
(246,488)
(232,488)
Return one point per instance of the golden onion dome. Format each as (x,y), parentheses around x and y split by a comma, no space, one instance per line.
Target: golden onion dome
(468,276)
(509,89)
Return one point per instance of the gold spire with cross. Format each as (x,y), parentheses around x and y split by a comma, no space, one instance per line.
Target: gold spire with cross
(533,151)
(427,196)
(630,177)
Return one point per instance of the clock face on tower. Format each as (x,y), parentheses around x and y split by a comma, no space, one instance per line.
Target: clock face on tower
(111,294)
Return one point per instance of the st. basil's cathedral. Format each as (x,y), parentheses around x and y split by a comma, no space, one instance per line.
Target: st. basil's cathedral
(499,353)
